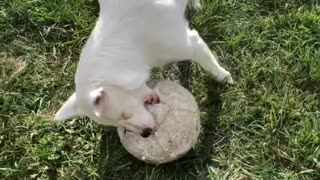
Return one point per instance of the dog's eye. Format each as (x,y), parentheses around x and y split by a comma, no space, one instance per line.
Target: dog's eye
(125,116)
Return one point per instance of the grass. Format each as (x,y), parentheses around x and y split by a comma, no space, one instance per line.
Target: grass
(266,126)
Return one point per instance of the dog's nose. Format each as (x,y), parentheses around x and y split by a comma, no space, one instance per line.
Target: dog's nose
(146,132)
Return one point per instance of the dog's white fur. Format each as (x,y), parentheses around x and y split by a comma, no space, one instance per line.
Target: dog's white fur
(129,39)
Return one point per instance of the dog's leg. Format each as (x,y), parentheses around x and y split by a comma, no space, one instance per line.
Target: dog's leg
(203,55)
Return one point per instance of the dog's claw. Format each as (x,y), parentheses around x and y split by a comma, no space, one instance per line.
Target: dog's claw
(225,78)
(228,80)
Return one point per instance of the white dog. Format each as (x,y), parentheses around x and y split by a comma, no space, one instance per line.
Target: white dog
(129,39)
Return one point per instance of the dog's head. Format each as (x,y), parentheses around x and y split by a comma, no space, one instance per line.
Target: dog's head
(111,106)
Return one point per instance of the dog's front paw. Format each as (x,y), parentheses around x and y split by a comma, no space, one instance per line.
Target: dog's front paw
(228,80)
(225,78)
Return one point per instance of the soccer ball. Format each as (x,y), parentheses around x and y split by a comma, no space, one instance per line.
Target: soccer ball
(177,126)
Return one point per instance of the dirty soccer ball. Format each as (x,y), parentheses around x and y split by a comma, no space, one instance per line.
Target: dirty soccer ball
(177,126)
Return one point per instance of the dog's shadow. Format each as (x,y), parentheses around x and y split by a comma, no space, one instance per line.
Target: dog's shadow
(117,163)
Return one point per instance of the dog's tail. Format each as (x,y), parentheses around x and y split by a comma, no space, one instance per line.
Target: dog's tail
(194,4)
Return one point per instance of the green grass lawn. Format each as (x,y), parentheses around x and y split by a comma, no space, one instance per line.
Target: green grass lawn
(266,126)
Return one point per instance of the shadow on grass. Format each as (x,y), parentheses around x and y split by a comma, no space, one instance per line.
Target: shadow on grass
(116,163)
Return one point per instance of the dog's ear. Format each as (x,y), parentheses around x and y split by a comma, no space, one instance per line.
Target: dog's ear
(68,110)
(98,98)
